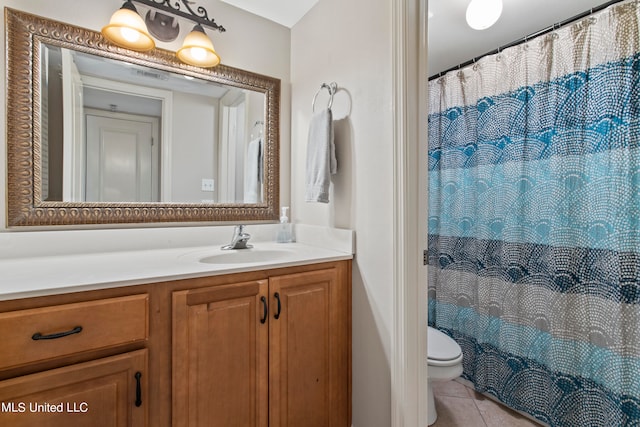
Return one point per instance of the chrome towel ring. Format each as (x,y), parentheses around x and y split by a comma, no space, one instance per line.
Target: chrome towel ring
(332,88)
(258,123)
(260,129)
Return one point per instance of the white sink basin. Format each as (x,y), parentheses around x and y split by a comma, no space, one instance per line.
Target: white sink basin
(244,256)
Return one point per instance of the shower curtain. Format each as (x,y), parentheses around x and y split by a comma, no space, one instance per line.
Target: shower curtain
(534,220)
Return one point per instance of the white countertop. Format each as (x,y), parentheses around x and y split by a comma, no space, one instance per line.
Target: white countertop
(41,275)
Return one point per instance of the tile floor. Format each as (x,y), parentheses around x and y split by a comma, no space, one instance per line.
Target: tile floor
(461,406)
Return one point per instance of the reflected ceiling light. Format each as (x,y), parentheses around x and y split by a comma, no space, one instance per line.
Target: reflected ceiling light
(481,14)
(198,50)
(128,29)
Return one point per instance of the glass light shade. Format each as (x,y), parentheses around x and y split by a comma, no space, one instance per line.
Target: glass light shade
(127,29)
(481,14)
(198,50)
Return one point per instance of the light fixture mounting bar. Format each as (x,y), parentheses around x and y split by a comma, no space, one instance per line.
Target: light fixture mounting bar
(201,16)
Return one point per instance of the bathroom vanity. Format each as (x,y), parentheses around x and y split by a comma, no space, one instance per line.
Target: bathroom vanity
(135,327)
(227,338)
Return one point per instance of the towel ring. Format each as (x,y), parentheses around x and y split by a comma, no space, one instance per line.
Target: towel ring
(332,88)
(258,123)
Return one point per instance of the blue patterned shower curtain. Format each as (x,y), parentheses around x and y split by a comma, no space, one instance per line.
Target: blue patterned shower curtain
(534,221)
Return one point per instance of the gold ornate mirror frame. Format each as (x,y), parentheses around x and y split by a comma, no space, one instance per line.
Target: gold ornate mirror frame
(25,207)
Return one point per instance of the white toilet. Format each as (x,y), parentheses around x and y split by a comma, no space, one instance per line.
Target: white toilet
(444,364)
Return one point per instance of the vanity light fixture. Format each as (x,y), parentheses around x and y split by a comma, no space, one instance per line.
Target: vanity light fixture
(481,14)
(128,29)
(198,50)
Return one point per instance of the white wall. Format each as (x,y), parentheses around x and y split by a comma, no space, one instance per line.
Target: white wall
(347,42)
(350,43)
(193,156)
(250,43)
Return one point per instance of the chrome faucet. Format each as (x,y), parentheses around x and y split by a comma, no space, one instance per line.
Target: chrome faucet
(239,240)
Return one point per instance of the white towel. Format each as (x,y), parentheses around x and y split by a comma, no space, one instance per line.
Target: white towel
(321,157)
(253,172)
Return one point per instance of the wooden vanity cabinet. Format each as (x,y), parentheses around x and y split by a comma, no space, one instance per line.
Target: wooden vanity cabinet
(267,348)
(272,352)
(81,363)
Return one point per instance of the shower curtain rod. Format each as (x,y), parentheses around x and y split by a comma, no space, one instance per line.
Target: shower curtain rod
(530,36)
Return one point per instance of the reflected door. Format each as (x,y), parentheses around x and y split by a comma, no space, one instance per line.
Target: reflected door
(122,158)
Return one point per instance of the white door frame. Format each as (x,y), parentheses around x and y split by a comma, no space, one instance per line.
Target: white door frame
(410,81)
(73,131)
(166,141)
(231,137)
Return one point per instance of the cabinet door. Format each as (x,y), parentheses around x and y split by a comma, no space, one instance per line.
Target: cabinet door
(220,356)
(100,393)
(309,357)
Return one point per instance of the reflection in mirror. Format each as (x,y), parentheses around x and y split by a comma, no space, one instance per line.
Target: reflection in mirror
(98,134)
(119,132)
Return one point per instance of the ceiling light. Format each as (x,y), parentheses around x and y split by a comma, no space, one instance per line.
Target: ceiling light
(198,50)
(481,14)
(127,29)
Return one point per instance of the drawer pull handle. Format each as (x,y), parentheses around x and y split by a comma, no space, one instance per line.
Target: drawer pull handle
(277,297)
(38,336)
(265,310)
(138,389)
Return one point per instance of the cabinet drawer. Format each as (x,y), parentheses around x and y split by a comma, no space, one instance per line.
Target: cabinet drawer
(45,333)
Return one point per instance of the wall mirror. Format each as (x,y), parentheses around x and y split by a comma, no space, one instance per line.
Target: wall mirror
(98,134)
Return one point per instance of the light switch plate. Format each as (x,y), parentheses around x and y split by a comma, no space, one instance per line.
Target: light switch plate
(208,184)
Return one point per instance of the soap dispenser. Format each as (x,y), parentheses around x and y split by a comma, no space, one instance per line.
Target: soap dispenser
(284,234)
